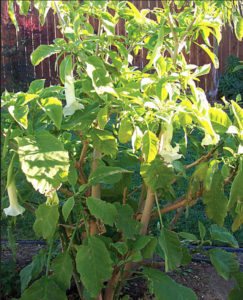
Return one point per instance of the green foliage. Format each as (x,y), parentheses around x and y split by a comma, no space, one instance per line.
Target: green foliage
(121,126)
(94,264)
(102,210)
(171,246)
(43,160)
(165,288)
(230,82)
(224,262)
(46,220)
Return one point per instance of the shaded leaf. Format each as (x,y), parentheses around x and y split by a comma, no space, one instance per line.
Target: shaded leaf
(44,289)
(67,208)
(166,288)
(107,175)
(171,246)
(223,235)
(224,262)
(94,265)
(46,220)
(102,210)
(63,268)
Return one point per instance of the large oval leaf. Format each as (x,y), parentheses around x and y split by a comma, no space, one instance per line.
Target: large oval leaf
(44,161)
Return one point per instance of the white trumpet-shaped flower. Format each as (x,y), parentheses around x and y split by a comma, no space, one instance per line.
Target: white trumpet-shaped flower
(14,208)
(208,140)
(166,150)
(72,105)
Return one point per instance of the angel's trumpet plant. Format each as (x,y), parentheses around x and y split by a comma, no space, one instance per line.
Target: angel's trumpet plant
(14,208)
(166,150)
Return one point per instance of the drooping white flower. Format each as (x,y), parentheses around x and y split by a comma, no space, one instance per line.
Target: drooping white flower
(209,141)
(166,150)
(14,208)
(72,105)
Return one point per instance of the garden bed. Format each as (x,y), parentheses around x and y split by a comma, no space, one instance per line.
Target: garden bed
(201,277)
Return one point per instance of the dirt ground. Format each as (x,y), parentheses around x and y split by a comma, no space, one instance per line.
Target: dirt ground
(201,277)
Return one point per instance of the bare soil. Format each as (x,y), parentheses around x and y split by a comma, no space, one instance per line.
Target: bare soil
(201,277)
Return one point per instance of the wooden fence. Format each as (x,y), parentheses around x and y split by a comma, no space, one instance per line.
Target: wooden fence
(17,71)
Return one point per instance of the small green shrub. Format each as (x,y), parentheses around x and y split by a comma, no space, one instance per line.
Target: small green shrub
(231,81)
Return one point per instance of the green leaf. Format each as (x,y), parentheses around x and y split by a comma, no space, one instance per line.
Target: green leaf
(46,220)
(101,79)
(102,210)
(44,161)
(223,235)
(160,66)
(236,192)
(12,14)
(125,223)
(63,268)
(53,108)
(102,117)
(224,262)
(121,247)
(148,251)
(157,175)
(66,68)
(104,141)
(215,200)
(94,265)
(219,119)
(20,114)
(186,257)
(202,230)
(139,243)
(36,86)
(166,288)
(239,27)
(188,236)
(136,139)
(238,113)
(44,289)
(108,23)
(235,294)
(107,175)
(171,246)
(203,70)
(23,6)
(213,56)
(150,145)
(72,174)
(31,271)
(42,52)
(67,208)
(125,131)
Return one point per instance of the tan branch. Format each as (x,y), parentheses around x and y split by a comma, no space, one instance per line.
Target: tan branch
(66,192)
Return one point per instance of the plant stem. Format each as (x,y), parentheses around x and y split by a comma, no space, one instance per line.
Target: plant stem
(96,190)
(49,255)
(146,215)
(157,203)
